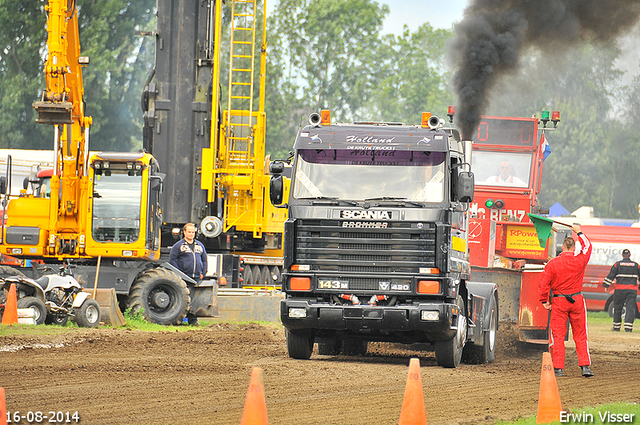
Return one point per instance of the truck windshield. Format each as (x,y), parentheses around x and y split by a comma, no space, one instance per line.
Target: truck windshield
(116,207)
(359,174)
(502,168)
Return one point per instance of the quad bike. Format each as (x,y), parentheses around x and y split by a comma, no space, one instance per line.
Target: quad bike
(56,298)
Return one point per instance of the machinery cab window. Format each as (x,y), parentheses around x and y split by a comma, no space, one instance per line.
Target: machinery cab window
(117,197)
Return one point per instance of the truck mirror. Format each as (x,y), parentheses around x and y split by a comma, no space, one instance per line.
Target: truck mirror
(276,167)
(464,187)
(3,185)
(156,182)
(276,189)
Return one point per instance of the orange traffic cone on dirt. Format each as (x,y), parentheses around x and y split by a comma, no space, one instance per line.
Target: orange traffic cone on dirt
(549,405)
(255,407)
(413,412)
(10,315)
(3,408)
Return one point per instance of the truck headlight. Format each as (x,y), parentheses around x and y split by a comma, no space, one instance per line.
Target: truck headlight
(297,313)
(430,315)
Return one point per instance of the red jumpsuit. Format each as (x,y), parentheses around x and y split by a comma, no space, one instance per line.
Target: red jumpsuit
(563,275)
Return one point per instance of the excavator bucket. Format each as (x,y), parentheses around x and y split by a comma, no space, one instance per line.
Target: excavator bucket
(109,310)
(53,113)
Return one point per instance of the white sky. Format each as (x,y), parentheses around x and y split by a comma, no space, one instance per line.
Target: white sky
(413,13)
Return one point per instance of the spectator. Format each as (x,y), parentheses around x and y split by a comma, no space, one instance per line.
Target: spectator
(189,256)
(626,274)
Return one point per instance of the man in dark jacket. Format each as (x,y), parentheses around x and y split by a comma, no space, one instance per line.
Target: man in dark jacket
(189,256)
(626,274)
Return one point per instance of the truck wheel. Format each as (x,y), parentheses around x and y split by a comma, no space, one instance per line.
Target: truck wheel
(57,319)
(161,294)
(256,274)
(265,276)
(248,275)
(486,353)
(299,347)
(329,346)
(88,314)
(354,347)
(37,304)
(449,353)
(275,272)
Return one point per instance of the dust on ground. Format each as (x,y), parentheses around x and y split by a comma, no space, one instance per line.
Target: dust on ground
(201,376)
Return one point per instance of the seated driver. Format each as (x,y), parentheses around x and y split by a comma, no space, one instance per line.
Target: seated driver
(505,177)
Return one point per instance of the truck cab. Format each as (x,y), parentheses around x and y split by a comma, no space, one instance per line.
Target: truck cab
(376,241)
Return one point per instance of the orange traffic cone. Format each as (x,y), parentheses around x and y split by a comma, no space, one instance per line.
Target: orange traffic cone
(3,408)
(10,315)
(255,408)
(413,412)
(549,406)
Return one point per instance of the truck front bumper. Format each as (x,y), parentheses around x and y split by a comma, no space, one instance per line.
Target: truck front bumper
(392,323)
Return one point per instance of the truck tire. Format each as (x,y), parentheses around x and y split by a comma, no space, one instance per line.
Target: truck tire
(248,275)
(329,346)
(37,304)
(265,276)
(486,353)
(354,347)
(299,346)
(449,353)
(255,269)
(162,296)
(88,314)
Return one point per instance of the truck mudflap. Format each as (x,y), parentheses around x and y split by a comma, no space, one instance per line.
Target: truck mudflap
(482,296)
(377,322)
(204,299)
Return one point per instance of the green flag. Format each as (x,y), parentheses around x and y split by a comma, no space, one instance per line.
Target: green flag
(543,228)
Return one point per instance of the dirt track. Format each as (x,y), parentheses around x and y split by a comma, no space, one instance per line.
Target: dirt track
(117,376)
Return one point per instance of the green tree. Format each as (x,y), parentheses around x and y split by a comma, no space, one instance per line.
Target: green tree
(22,34)
(120,62)
(411,76)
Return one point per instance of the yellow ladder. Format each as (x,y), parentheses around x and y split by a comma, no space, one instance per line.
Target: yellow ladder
(240,122)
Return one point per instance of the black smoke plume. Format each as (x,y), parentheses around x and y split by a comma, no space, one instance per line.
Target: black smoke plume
(493,34)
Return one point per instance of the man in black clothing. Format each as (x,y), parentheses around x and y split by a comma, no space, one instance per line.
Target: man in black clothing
(626,274)
(190,256)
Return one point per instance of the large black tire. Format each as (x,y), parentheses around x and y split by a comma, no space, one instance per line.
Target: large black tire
(88,314)
(449,353)
(354,347)
(37,304)
(299,346)
(265,276)
(486,353)
(161,294)
(248,275)
(329,346)
(57,319)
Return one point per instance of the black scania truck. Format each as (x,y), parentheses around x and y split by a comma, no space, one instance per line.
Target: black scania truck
(376,242)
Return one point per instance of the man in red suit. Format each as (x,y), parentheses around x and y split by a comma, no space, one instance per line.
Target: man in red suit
(559,290)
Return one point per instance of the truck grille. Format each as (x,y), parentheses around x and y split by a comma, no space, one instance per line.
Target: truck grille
(401,247)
